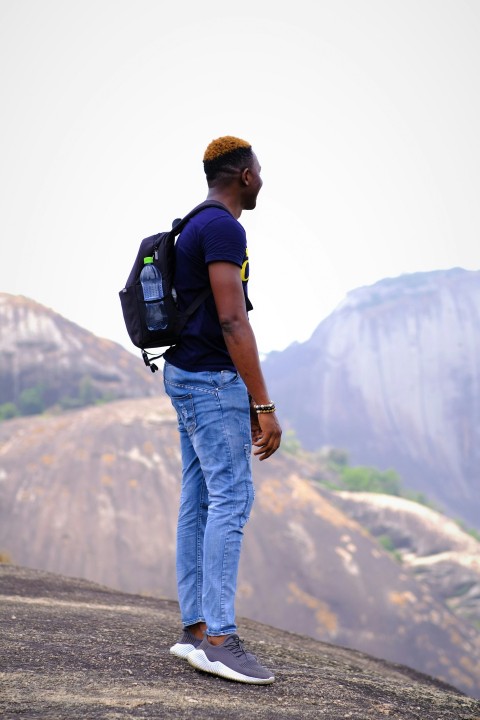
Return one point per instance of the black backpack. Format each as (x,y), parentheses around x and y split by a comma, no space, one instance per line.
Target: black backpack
(162,248)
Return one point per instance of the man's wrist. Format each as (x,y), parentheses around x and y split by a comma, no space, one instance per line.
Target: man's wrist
(264,408)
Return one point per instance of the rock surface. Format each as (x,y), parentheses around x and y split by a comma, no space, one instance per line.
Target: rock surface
(40,349)
(71,649)
(433,547)
(393,376)
(94,493)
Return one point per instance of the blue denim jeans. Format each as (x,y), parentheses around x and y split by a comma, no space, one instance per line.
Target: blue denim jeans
(217,492)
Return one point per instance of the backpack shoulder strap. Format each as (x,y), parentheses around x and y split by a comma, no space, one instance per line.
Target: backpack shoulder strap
(198,208)
(178,227)
(176,230)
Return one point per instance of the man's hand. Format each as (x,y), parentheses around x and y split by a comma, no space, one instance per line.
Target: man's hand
(227,291)
(254,424)
(266,434)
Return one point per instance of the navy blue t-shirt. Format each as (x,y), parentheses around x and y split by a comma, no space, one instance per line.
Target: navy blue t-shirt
(212,235)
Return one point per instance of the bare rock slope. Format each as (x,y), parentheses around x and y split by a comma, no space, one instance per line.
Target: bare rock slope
(94,493)
(433,547)
(71,649)
(42,351)
(393,376)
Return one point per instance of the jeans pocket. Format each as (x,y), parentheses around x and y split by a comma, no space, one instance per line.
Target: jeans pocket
(185,411)
(225,378)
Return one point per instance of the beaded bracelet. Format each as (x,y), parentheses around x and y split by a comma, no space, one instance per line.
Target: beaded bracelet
(268,408)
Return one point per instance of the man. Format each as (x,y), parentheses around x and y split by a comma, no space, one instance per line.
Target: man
(209,377)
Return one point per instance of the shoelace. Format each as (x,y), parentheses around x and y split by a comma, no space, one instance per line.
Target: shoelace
(235,644)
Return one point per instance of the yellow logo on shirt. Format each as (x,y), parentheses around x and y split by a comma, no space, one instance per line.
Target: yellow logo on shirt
(245,271)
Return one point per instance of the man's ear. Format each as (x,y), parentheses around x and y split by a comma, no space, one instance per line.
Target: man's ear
(245,177)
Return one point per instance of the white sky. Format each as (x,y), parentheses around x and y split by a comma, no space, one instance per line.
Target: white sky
(365,116)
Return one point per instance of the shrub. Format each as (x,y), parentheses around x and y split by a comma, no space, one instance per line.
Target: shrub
(367,479)
(31,401)
(8,410)
(290,443)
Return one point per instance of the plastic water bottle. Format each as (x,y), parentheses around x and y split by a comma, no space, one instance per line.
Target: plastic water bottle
(152,287)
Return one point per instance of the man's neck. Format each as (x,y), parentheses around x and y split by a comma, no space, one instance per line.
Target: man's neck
(229,199)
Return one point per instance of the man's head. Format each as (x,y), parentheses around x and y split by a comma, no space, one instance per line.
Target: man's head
(230,162)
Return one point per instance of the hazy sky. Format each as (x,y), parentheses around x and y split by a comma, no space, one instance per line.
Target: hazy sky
(365,116)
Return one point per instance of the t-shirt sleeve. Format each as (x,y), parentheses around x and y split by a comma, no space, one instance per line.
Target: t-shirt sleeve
(224,240)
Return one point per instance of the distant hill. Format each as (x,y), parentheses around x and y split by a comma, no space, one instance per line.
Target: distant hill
(434,548)
(393,377)
(94,493)
(49,362)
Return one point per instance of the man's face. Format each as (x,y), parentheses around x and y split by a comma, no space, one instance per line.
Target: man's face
(255,182)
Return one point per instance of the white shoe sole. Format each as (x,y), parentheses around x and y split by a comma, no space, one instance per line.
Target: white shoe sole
(199,661)
(181,650)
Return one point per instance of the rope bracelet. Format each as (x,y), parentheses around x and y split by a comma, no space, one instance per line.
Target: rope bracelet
(268,408)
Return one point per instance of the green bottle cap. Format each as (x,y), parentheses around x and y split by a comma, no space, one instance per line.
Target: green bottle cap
(147,260)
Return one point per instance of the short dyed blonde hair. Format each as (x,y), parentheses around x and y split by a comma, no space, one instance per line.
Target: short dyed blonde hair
(223,146)
(224,156)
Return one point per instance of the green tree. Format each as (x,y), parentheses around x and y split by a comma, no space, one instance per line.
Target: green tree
(368,479)
(87,393)
(8,410)
(337,458)
(290,443)
(31,401)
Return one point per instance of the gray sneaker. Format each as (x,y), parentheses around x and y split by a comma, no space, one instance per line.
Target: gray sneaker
(185,645)
(230,661)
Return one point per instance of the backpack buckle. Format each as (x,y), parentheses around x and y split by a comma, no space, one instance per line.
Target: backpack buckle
(147,361)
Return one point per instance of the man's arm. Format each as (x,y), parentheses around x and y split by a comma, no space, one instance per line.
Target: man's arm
(241,344)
